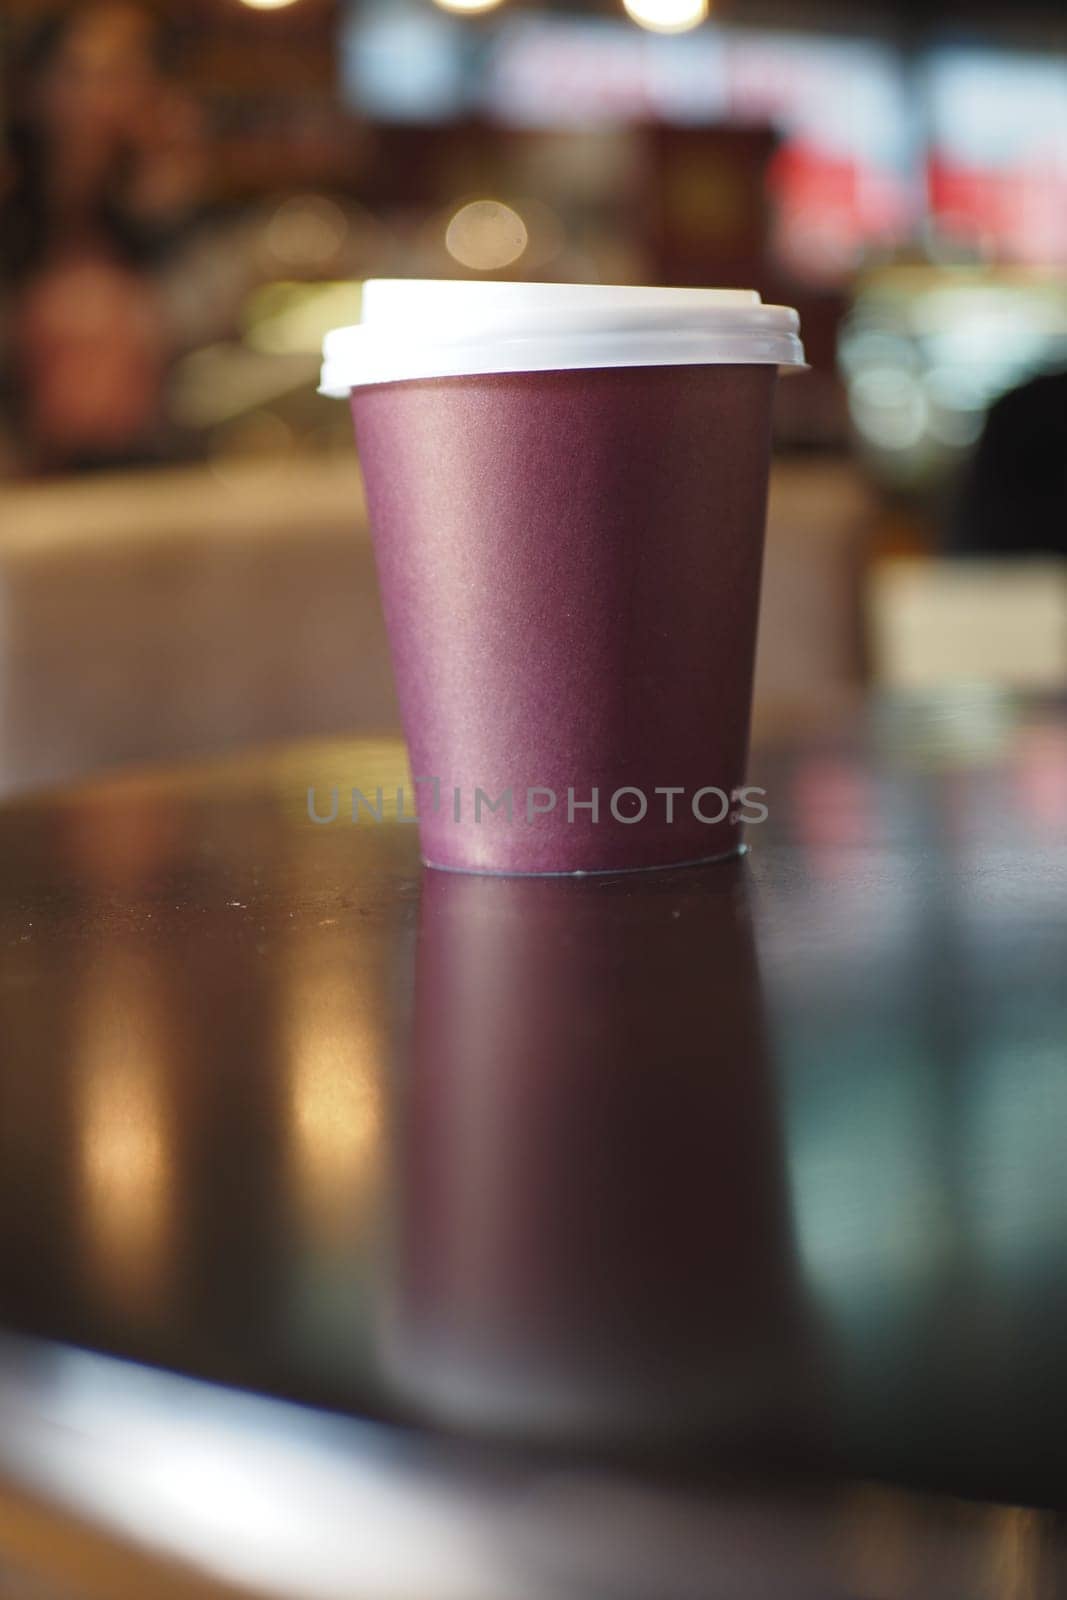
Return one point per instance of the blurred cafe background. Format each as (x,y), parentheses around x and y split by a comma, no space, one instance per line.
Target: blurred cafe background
(192,193)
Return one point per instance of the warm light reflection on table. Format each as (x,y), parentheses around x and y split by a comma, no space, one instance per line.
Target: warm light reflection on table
(334,1049)
(123,1060)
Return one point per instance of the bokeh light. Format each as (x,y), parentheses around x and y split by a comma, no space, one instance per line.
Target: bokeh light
(306,232)
(667,16)
(267,5)
(486,235)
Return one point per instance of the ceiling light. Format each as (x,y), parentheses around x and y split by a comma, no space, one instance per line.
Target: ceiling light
(467,8)
(667,16)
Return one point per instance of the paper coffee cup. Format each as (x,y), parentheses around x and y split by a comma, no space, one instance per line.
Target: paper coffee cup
(567,490)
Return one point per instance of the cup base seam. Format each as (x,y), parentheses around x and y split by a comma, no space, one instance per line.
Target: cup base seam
(587,872)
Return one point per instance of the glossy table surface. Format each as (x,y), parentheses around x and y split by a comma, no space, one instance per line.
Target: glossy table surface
(754,1166)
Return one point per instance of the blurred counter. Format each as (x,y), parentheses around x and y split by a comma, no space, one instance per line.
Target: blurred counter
(184,611)
(198,610)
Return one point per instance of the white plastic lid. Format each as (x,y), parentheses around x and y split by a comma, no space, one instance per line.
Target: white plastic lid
(440,328)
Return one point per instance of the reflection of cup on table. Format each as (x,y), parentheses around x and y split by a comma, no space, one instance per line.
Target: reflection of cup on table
(567,490)
(592,1230)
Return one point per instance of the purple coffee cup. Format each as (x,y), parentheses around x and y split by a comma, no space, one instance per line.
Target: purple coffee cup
(567,491)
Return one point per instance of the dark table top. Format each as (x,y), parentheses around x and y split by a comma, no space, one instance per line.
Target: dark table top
(759,1164)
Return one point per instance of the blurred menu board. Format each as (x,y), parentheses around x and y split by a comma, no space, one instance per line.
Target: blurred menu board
(870,144)
(843,178)
(844,181)
(997,163)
